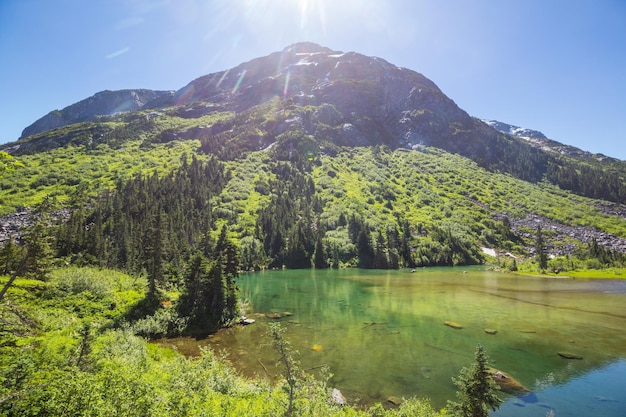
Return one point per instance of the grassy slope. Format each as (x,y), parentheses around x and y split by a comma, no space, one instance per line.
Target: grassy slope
(428,188)
(72,172)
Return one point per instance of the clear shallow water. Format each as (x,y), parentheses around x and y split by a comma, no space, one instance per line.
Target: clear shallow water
(382,334)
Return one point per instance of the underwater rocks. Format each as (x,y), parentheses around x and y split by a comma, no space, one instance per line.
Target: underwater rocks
(507,383)
(569,355)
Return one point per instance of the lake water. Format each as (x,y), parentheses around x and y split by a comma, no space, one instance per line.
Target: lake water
(382,334)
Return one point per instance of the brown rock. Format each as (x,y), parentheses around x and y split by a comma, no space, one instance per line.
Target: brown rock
(507,383)
(394,400)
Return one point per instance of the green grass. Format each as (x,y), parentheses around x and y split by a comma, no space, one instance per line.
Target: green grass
(72,174)
(608,273)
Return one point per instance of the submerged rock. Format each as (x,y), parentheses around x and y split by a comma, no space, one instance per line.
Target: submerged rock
(507,383)
(569,355)
(491,331)
(394,400)
(453,324)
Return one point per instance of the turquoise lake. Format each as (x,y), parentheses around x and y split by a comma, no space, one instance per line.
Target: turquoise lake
(382,334)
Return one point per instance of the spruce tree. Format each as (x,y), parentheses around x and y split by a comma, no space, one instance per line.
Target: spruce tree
(477,391)
(380,256)
(319,259)
(38,243)
(542,258)
(365,250)
(228,261)
(11,255)
(154,254)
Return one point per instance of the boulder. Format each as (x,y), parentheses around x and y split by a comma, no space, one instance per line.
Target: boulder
(453,324)
(394,400)
(491,331)
(507,383)
(336,397)
(245,321)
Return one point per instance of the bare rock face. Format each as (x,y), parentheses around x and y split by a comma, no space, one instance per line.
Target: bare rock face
(104,103)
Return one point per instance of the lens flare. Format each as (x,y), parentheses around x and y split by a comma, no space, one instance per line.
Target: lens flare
(222,78)
(286,87)
(238,83)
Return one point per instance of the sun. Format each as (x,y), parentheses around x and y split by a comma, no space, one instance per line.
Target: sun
(311,9)
(303,15)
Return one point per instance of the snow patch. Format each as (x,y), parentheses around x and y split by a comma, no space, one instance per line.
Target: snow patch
(304,62)
(308,53)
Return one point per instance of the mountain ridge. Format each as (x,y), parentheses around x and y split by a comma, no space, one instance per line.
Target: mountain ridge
(541,141)
(266,80)
(331,98)
(101,104)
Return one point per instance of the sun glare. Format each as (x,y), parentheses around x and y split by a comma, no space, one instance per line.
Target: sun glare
(307,16)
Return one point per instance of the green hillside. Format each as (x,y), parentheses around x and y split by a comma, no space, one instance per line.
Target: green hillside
(425,207)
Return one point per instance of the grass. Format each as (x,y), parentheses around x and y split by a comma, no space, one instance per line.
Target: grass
(72,174)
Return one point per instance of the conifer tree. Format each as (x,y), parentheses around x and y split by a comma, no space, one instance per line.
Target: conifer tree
(405,248)
(477,391)
(38,242)
(380,257)
(319,260)
(154,254)
(228,262)
(364,247)
(542,258)
(10,256)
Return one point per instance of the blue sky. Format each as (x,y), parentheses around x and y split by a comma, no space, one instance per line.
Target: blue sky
(558,67)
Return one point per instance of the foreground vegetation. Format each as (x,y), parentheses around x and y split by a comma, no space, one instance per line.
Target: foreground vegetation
(69,346)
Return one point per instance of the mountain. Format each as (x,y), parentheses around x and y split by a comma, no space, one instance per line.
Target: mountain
(539,140)
(104,103)
(340,99)
(310,150)
(515,130)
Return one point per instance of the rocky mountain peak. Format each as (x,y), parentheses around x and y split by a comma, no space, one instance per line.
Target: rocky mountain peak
(103,103)
(515,130)
(539,140)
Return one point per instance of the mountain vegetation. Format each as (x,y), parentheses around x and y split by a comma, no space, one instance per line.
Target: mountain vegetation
(120,225)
